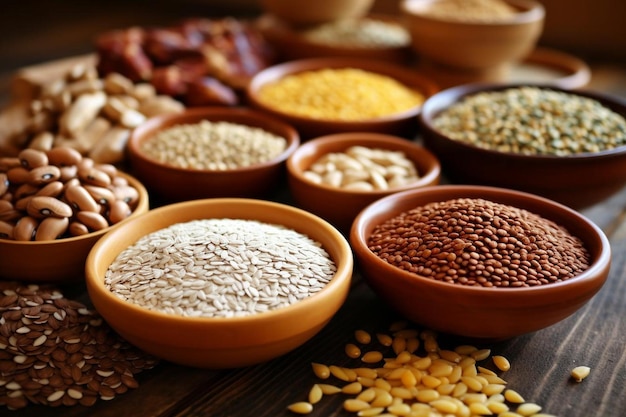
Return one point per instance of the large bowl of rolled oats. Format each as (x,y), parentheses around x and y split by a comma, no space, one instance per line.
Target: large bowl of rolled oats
(220,283)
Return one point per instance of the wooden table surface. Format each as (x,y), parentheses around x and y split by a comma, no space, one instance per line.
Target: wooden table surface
(595,336)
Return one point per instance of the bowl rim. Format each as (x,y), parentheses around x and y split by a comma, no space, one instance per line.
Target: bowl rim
(368,139)
(343,273)
(142,204)
(418,82)
(530,11)
(358,239)
(443,99)
(193,115)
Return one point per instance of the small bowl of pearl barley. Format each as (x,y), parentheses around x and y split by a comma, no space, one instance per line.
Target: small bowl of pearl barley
(480,262)
(222,282)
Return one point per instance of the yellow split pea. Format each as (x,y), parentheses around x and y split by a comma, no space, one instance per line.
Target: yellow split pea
(346,94)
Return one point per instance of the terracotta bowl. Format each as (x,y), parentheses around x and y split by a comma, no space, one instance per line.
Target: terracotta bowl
(403,123)
(220,342)
(171,183)
(480,312)
(293,43)
(340,206)
(578,180)
(483,51)
(61,260)
(307,13)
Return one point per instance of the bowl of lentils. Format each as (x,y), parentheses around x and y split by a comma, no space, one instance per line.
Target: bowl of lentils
(209,152)
(565,145)
(221,282)
(325,95)
(480,262)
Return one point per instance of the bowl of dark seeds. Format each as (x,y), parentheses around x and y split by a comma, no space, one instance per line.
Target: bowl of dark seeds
(565,145)
(222,282)
(480,262)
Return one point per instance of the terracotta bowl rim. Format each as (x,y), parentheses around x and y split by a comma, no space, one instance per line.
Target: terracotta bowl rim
(344,266)
(532,12)
(358,241)
(433,105)
(142,204)
(365,138)
(212,113)
(276,72)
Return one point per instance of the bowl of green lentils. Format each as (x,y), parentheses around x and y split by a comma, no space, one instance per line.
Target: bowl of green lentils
(480,262)
(565,145)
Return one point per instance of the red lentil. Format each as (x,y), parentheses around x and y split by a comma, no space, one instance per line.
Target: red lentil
(480,243)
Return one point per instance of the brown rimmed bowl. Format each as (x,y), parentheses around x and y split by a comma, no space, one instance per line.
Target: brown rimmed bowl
(172,184)
(60,260)
(480,312)
(310,13)
(577,180)
(220,342)
(401,124)
(340,206)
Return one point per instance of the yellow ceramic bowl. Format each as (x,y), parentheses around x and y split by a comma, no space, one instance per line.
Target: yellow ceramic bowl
(215,342)
(60,260)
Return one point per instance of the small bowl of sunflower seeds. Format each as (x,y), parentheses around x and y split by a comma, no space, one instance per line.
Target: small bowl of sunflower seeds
(566,145)
(222,282)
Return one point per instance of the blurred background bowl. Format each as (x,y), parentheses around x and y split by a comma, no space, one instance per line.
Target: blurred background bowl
(403,123)
(390,43)
(340,206)
(299,13)
(472,50)
(61,260)
(480,312)
(172,183)
(220,342)
(577,180)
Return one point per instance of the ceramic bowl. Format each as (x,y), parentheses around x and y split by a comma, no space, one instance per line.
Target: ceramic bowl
(306,13)
(60,260)
(294,43)
(480,50)
(220,342)
(170,183)
(402,124)
(577,180)
(480,312)
(340,206)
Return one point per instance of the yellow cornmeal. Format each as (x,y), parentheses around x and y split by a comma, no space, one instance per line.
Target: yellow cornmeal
(340,94)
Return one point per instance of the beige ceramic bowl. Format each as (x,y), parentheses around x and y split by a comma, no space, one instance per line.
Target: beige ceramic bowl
(577,180)
(340,206)
(299,13)
(171,183)
(61,260)
(403,123)
(220,342)
(478,51)
(480,312)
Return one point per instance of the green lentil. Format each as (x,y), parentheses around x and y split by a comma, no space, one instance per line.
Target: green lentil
(533,121)
(340,94)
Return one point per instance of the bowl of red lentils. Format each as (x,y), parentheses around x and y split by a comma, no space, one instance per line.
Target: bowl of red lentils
(336,176)
(480,262)
(325,95)
(54,205)
(566,145)
(220,282)
(211,152)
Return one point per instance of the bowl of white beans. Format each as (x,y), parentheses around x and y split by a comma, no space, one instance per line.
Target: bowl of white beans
(54,205)
(336,176)
(209,152)
(221,282)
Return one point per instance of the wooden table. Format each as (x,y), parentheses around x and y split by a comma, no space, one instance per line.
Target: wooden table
(595,336)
